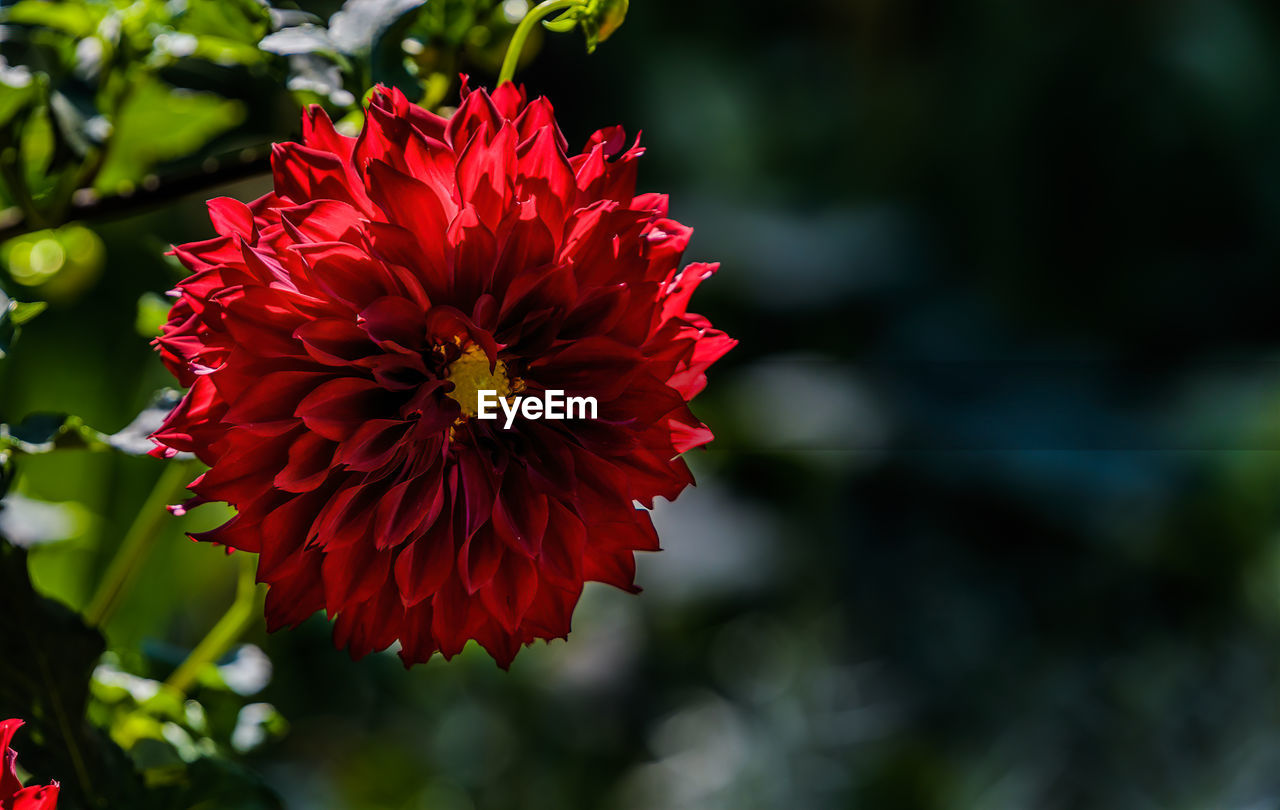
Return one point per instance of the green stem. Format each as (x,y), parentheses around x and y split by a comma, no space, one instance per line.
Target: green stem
(138,542)
(516,47)
(225,633)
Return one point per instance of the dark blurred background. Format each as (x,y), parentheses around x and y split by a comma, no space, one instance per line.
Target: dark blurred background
(993,516)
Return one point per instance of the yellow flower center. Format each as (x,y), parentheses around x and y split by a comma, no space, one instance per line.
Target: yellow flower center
(470,374)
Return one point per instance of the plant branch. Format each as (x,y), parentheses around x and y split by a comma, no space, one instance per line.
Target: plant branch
(86,204)
(532,18)
(138,542)
(225,633)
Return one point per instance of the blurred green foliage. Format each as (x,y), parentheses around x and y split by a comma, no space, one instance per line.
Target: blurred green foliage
(82,75)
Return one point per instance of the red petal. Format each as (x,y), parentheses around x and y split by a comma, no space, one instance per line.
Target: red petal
(561,559)
(347,273)
(231,217)
(338,408)
(334,341)
(9,783)
(303,174)
(453,619)
(407,507)
(520,514)
(612,568)
(479,558)
(368,626)
(411,204)
(272,397)
(293,599)
(395,322)
(475,111)
(485,172)
(426,562)
(323,220)
(36,798)
(417,643)
(373,445)
(309,458)
(511,592)
(353,573)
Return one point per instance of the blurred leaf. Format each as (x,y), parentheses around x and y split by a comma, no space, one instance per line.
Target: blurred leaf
(17,90)
(75,19)
(318,56)
(247,672)
(257,723)
(599,19)
(27,522)
(238,19)
(160,123)
(73,114)
(226,52)
(13,314)
(224,32)
(153,311)
(134,439)
(313,73)
(168,738)
(20,313)
(36,147)
(300,39)
(287,18)
(49,655)
(46,432)
(358,26)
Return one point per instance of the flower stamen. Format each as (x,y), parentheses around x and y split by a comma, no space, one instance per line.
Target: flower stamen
(471,373)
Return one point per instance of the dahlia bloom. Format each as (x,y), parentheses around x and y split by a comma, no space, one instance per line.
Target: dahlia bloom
(335,334)
(13,796)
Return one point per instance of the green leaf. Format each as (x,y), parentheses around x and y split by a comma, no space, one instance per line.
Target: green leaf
(78,20)
(600,19)
(13,314)
(18,90)
(223,51)
(134,439)
(161,123)
(48,657)
(169,738)
(46,432)
(20,313)
(36,147)
(238,22)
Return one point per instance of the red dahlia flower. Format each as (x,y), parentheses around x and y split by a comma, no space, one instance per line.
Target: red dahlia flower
(13,796)
(336,332)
